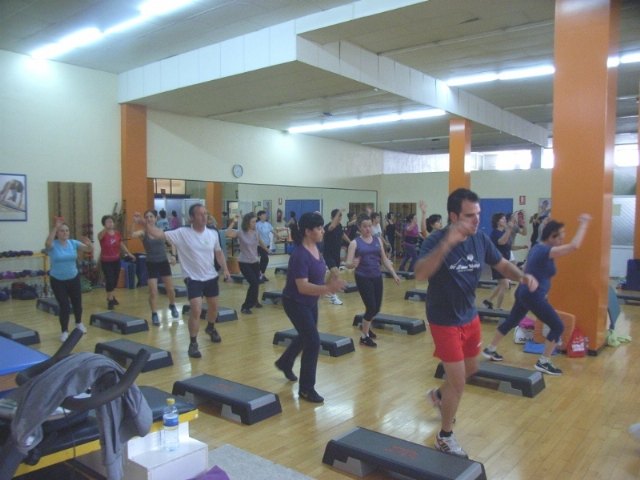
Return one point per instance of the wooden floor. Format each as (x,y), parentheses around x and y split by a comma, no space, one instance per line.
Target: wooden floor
(574,429)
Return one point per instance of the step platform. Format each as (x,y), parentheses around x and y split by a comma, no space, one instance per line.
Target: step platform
(361,451)
(240,403)
(125,351)
(18,333)
(398,323)
(272,296)
(225,314)
(505,378)
(281,270)
(416,294)
(492,313)
(350,287)
(487,283)
(48,305)
(629,299)
(237,277)
(179,290)
(332,345)
(401,274)
(119,322)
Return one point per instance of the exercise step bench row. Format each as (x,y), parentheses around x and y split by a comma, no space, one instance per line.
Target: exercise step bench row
(398,323)
(505,378)
(124,352)
(240,403)
(361,451)
(116,321)
(178,290)
(492,313)
(332,345)
(225,314)
(416,294)
(401,274)
(18,333)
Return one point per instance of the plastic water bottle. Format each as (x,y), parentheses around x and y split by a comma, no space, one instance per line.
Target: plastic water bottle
(170,437)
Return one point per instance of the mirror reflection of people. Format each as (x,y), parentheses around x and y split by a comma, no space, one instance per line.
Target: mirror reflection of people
(13,192)
(64,275)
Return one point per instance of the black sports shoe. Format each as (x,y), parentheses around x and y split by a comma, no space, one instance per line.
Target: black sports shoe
(258,305)
(288,372)
(488,304)
(213,333)
(154,319)
(111,304)
(368,342)
(193,350)
(115,301)
(174,311)
(494,356)
(372,334)
(311,396)
(246,311)
(548,368)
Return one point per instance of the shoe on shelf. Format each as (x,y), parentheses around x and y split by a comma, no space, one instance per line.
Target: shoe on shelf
(193,350)
(311,396)
(368,342)
(548,368)
(246,311)
(213,333)
(288,372)
(154,319)
(174,311)
(372,334)
(81,327)
(258,305)
(111,304)
(488,304)
(492,355)
(449,445)
(64,336)
(335,300)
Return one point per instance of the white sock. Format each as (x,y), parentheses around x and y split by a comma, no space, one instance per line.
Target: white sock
(491,348)
(543,359)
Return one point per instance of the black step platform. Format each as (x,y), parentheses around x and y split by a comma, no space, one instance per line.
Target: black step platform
(395,322)
(281,270)
(237,277)
(508,379)
(416,294)
(125,351)
(272,296)
(48,305)
(332,345)
(361,451)
(115,322)
(487,283)
(401,274)
(179,290)
(351,287)
(492,313)
(239,402)
(18,333)
(629,298)
(225,314)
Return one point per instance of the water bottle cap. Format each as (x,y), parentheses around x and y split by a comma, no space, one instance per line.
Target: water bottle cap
(171,401)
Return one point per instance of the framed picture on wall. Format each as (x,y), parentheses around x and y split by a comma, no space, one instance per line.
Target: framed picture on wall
(13,197)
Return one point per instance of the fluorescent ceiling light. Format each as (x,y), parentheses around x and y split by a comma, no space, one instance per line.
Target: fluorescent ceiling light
(379,119)
(527,72)
(633,57)
(85,36)
(472,79)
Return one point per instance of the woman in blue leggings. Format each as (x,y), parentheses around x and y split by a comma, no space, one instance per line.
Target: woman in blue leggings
(541,264)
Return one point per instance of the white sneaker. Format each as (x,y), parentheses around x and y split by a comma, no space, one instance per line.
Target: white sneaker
(64,336)
(81,327)
(449,445)
(335,300)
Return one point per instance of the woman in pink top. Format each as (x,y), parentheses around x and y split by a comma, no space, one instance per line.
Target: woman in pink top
(410,243)
(111,247)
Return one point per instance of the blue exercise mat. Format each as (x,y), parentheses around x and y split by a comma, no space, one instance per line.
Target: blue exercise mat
(536,348)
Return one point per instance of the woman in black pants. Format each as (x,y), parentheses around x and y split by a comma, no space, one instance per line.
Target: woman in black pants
(366,254)
(111,247)
(305,283)
(249,261)
(64,275)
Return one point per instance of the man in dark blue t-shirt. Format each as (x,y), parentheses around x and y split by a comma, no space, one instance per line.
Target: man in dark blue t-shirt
(452,260)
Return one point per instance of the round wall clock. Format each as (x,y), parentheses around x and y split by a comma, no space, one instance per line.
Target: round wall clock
(237,170)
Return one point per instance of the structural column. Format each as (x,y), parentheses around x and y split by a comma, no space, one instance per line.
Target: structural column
(459,151)
(584,93)
(214,201)
(636,234)
(135,186)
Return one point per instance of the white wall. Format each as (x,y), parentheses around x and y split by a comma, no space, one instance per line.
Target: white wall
(58,123)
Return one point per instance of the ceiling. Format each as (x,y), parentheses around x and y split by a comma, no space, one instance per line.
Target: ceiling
(442,38)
